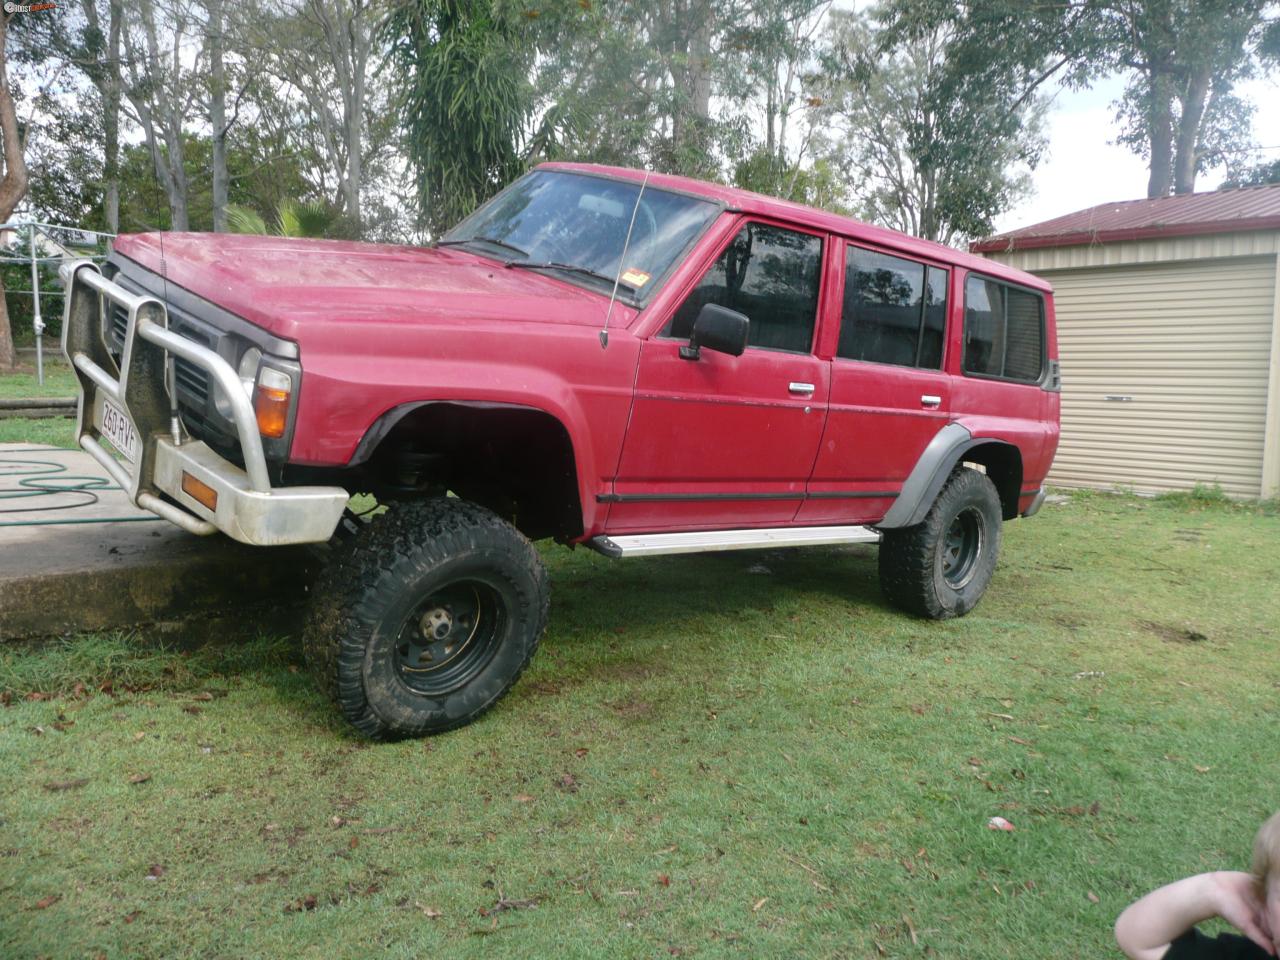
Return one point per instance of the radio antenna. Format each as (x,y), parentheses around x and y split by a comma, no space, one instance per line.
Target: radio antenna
(617,278)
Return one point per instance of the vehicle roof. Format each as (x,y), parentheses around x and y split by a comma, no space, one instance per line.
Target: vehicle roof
(747,201)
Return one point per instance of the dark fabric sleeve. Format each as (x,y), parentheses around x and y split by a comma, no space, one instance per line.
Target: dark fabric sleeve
(1194,945)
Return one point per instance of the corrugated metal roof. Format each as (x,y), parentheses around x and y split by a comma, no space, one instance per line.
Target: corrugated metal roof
(1188,214)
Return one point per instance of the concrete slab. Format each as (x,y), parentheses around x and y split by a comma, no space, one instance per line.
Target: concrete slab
(75,556)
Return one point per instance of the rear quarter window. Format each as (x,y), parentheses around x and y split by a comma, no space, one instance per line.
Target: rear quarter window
(1003,331)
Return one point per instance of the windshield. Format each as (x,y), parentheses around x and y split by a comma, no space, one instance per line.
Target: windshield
(581,222)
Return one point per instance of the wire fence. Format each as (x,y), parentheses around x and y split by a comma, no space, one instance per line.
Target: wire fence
(41,245)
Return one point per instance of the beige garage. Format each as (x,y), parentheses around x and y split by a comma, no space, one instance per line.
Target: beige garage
(1169,337)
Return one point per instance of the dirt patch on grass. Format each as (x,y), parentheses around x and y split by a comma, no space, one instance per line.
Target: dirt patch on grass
(1171,633)
(631,708)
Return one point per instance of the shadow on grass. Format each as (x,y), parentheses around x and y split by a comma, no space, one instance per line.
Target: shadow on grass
(693,599)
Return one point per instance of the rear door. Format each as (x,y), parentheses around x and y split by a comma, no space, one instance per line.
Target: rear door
(722,441)
(889,393)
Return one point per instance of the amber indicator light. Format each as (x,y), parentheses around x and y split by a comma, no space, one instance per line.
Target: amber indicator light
(271,403)
(272,408)
(199,491)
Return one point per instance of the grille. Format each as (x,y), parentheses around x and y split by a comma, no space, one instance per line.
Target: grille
(193,382)
(119,326)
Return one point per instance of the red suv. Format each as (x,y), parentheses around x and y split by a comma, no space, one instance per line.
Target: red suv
(641,364)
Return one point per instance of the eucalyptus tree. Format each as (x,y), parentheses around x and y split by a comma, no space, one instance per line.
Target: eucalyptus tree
(770,80)
(324,57)
(1183,59)
(1179,110)
(917,159)
(163,85)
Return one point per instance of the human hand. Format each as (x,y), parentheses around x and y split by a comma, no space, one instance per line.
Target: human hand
(1238,903)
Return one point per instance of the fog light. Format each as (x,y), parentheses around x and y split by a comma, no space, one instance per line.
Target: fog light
(271,402)
(200,492)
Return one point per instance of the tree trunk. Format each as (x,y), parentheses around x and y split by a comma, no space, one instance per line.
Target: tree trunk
(1192,101)
(218,115)
(358,32)
(13,184)
(111,122)
(1160,129)
(105,77)
(155,99)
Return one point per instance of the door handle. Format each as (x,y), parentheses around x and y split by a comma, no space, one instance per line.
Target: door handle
(804,389)
(929,400)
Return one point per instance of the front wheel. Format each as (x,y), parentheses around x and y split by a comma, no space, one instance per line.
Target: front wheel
(429,620)
(941,567)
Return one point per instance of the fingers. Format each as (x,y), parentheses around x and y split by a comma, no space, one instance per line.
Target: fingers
(1254,932)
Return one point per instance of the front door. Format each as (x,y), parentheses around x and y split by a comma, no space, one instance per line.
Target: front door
(889,394)
(722,442)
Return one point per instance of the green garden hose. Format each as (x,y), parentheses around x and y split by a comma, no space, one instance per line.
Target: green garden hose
(45,478)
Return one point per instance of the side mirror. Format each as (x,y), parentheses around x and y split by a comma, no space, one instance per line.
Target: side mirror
(717,328)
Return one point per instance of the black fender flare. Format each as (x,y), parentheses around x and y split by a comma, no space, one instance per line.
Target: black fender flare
(388,419)
(945,450)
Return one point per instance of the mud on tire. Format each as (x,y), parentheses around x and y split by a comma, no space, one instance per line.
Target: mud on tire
(941,567)
(426,619)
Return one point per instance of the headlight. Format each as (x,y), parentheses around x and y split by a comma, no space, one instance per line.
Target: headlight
(248,369)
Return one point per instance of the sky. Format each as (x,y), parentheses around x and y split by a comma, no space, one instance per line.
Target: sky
(1083,166)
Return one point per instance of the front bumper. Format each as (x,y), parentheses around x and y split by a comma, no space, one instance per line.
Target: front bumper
(166,462)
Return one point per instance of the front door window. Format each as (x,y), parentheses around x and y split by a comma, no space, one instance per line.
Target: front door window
(768,273)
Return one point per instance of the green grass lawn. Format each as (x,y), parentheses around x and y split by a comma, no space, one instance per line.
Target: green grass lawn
(59,381)
(55,431)
(716,756)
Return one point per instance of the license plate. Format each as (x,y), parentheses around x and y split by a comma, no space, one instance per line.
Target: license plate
(117,428)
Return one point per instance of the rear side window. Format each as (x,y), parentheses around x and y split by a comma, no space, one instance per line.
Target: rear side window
(771,275)
(1003,331)
(894,310)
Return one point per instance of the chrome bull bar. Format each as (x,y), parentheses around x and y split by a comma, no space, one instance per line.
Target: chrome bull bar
(243,503)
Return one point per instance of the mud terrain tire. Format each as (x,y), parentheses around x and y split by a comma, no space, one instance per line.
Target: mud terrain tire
(427,619)
(941,567)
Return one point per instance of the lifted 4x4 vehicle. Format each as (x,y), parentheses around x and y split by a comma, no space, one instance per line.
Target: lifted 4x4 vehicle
(637,363)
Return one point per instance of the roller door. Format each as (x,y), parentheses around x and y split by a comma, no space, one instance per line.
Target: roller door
(1164,374)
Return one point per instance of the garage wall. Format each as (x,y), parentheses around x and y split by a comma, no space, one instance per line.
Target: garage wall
(1189,345)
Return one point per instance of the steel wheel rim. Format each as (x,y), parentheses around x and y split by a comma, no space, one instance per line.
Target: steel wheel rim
(962,545)
(449,637)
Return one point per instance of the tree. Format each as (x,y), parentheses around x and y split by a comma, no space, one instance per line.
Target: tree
(492,86)
(467,98)
(99,58)
(771,54)
(1258,175)
(292,219)
(1183,57)
(13,176)
(260,175)
(1186,56)
(324,54)
(218,113)
(163,91)
(920,159)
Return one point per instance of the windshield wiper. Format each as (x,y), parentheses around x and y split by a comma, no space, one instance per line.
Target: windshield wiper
(572,268)
(493,240)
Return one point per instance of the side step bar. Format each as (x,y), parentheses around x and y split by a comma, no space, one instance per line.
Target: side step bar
(706,541)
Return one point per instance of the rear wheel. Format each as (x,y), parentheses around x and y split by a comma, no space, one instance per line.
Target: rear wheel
(941,567)
(429,619)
